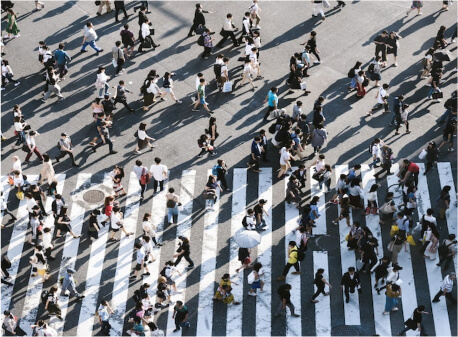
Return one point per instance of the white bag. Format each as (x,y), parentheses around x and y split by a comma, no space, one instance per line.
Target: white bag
(422,154)
(227,86)
(326,4)
(115,64)
(275,113)
(303,86)
(250,278)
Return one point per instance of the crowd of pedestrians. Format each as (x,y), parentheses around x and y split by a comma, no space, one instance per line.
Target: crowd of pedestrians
(291,135)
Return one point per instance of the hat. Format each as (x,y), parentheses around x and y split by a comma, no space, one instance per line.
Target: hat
(63,134)
(71,271)
(262,201)
(396,267)
(432,142)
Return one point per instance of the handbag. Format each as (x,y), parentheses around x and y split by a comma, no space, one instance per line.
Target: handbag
(136,134)
(437,95)
(222,32)
(20,195)
(151,31)
(97,3)
(115,64)
(209,195)
(200,29)
(25,148)
(146,43)
(227,86)
(422,154)
(303,86)
(387,208)
(10,180)
(410,323)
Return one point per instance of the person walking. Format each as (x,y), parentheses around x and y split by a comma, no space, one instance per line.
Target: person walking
(272,102)
(7,73)
(103,312)
(381,270)
(415,5)
(12,28)
(448,135)
(120,95)
(350,281)
(285,301)
(66,148)
(208,43)
(318,8)
(159,173)
(382,100)
(392,43)
(221,169)
(256,152)
(62,59)
(107,4)
(446,289)
(393,291)
(228,31)
(319,138)
(199,19)
(449,252)
(47,171)
(117,223)
(320,282)
(10,324)
(120,6)
(32,147)
(397,241)
(94,227)
(70,285)
(415,322)
(181,316)
(105,137)
(128,40)
(184,252)
(52,86)
(172,203)
(89,39)
(118,58)
(143,176)
(292,261)
(201,97)
(380,45)
(101,82)
(52,304)
(141,259)
(167,84)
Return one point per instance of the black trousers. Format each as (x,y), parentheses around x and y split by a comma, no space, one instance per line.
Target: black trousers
(269,109)
(117,11)
(319,291)
(123,102)
(288,267)
(107,141)
(186,257)
(120,64)
(381,48)
(227,34)
(64,153)
(447,295)
(222,178)
(207,52)
(348,290)
(142,187)
(254,163)
(161,185)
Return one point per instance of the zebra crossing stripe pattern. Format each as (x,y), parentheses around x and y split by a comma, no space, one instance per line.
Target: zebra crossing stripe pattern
(323,307)
(320,223)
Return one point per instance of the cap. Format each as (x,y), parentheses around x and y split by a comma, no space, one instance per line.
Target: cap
(63,134)
(262,201)
(71,271)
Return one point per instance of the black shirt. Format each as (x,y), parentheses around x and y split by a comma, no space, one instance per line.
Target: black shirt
(381,39)
(284,294)
(257,210)
(417,317)
(142,18)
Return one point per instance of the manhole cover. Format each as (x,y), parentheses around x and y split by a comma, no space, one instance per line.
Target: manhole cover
(345,330)
(93,196)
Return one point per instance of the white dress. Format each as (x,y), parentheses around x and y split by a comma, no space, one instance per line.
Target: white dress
(431,249)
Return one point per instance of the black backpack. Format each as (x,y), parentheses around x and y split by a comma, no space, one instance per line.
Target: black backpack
(370,147)
(351,73)
(443,249)
(44,296)
(200,41)
(371,68)
(163,271)
(300,255)
(244,222)
(217,69)
(273,128)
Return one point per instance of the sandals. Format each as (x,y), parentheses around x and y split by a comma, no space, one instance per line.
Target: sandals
(113,239)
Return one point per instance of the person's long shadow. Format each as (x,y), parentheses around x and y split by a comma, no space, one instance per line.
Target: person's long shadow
(56,11)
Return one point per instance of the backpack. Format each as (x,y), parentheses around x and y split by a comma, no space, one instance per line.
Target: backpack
(244,222)
(144,178)
(143,89)
(303,245)
(200,41)
(300,255)
(200,142)
(215,170)
(370,147)
(163,271)
(170,203)
(351,73)
(217,69)
(443,249)
(44,296)
(136,297)
(371,68)
(273,128)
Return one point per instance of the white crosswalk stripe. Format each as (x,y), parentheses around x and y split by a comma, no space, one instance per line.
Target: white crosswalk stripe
(203,315)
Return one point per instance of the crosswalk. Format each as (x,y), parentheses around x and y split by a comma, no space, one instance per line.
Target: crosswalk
(100,258)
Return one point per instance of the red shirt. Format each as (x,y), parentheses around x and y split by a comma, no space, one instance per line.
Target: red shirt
(108,210)
(413,168)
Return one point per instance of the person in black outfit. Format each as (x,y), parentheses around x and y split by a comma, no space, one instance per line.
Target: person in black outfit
(320,283)
(368,253)
(380,45)
(94,228)
(416,322)
(285,301)
(184,251)
(119,6)
(105,135)
(142,16)
(301,174)
(121,95)
(264,142)
(293,69)
(199,19)
(5,265)
(256,153)
(142,4)
(350,281)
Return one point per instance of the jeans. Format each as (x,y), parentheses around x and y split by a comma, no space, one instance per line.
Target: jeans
(260,224)
(433,90)
(105,88)
(92,44)
(390,303)
(142,187)
(374,162)
(171,213)
(10,79)
(20,138)
(280,309)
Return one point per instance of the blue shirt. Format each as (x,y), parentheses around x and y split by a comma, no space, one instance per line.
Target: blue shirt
(273,99)
(61,57)
(255,149)
(103,313)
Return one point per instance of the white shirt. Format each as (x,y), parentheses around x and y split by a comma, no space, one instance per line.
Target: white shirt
(46,56)
(430,218)
(18,181)
(320,165)
(30,204)
(376,151)
(248,49)
(141,134)
(254,8)
(257,42)
(17,165)
(224,69)
(169,270)
(250,222)
(115,219)
(138,171)
(102,77)
(145,30)
(159,172)
(146,246)
(284,156)
(248,68)
(18,126)
(372,196)
(47,238)
(381,94)
(447,284)
(149,228)
(228,25)
(246,24)
(140,255)
(30,141)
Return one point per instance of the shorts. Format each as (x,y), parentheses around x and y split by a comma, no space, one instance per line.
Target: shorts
(376,77)
(167,89)
(41,272)
(445,138)
(128,45)
(202,101)
(170,281)
(256,284)
(283,167)
(138,266)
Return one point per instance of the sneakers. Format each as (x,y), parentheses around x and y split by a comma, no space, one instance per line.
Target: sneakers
(450,149)
(179,102)
(281,278)
(195,110)
(17,83)
(252,294)
(214,154)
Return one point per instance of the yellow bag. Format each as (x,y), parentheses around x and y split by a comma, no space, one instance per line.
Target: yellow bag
(20,195)
(347,236)
(410,240)
(394,230)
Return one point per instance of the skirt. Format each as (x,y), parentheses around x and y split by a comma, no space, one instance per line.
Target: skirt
(148,99)
(355,201)
(142,143)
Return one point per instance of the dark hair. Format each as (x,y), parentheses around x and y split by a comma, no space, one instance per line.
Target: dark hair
(126,26)
(292,243)
(421,308)
(171,190)
(142,126)
(118,43)
(61,46)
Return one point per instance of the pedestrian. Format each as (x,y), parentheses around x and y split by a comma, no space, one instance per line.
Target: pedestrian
(62,59)
(159,173)
(272,100)
(320,282)
(448,135)
(443,201)
(103,313)
(143,139)
(199,19)
(167,84)
(319,138)
(285,161)
(361,81)
(12,28)
(350,281)
(382,100)
(369,252)
(415,5)
(344,210)
(70,285)
(101,82)
(210,192)
(410,170)
(293,191)
(140,256)
(204,144)
(117,223)
(143,176)
(393,291)
(397,241)
(228,31)
(128,40)
(146,41)
(107,4)
(52,86)
(10,325)
(168,271)
(401,118)
(94,227)
(89,38)
(451,108)
(105,137)
(380,46)
(150,90)
(32,147)
(118,58)
(392,43)
(221,169)
(181,316)
(292,261)
(66,148)
(427,63)
(381,270)
(256,281)
(172,203)
(448,251)
(285,301)
(313,47)
(435,91)
(371,207)
(116,176)
(440,41)
(201,97)
(259,213)
(208,43)
(120,95)
(318,8)
(415,322)
(386,155)
(223,292)
(47,170)
(119,6)
(63,223)
(446,289)
(340,4)
(5,210)
(57,205)
(52,304)
(184,252)
(246,30)
(256,153)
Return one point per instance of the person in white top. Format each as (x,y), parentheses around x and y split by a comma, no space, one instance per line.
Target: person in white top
(7,73)
(143,139)
(376,150)
(117,223)
(140,170)
(141,259)
(101,82)
(167,83)
(254,14)
(158,172)
(382,100)
(89,39)
(18,180)
(228,31)
(446,289)
(246,75)
(145,35)
(150,229)
(285,157)
(16,165)
(19,129)
(372,200)
(31,144)
(254,62)
(250,220)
